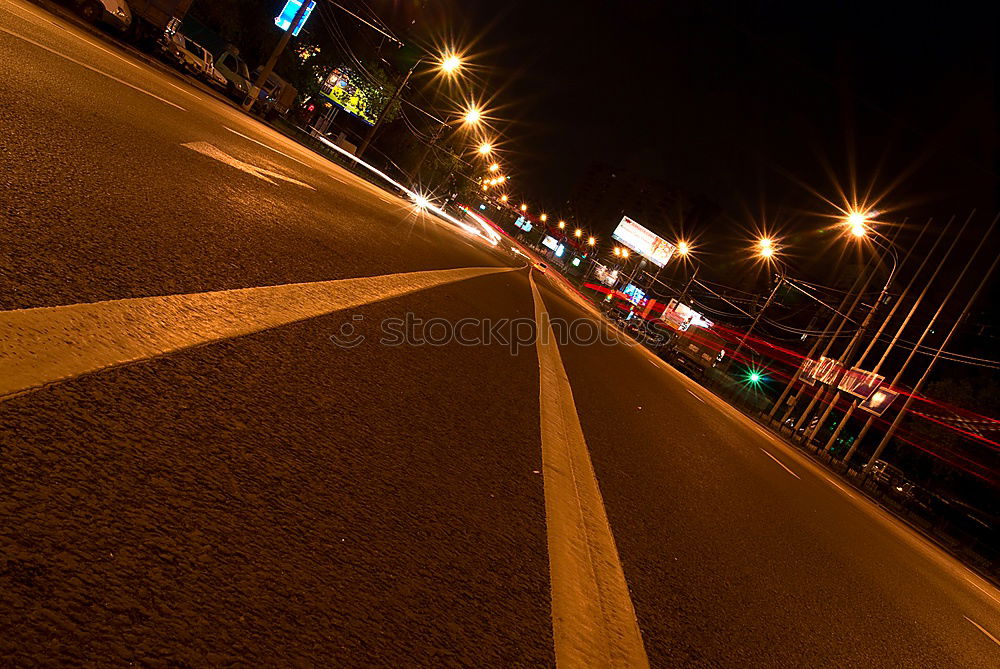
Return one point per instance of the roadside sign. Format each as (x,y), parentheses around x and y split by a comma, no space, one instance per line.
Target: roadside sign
(287,15)
(879,401)
(826,370)
(860,383)
(805,372)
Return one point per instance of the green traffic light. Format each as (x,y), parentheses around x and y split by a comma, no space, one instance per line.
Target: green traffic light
(754,377)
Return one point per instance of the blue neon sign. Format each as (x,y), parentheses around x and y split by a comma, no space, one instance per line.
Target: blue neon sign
(284,19)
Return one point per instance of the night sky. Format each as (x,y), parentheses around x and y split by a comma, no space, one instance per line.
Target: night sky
(749,104)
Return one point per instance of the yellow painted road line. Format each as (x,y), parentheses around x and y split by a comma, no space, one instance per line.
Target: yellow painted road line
(593,620)
(983,630)
(50,344)
(91,68)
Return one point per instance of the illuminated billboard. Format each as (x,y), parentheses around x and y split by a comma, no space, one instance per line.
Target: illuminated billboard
(633,293)
(287,15)
(605,275)
(879,401)
(860,383)
(550,243)
(645,242)
(339,89)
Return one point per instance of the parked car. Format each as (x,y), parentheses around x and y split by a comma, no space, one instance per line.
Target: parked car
(115,13)
(232,68)
(188,54)
(276,96)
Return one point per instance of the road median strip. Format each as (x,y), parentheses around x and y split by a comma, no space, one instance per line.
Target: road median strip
(593,620)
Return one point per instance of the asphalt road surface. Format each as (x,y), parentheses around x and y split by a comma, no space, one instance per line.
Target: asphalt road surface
(235,429)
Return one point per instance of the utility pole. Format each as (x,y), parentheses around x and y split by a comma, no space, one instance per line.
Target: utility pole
(809,355)
(385,110)
(819,395)
(760,312)
(886,321)
(923,379)
(899,331)
(688,286)
(269,65)
(843,360)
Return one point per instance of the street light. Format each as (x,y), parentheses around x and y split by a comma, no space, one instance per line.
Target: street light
(578,233)
(503,198)
(543,217)
(683,248)
(562,225)
(473,115)
(591,241)
(484,148)
(857,223)
(524,207)
(765,248)
(450,63)
(494,167)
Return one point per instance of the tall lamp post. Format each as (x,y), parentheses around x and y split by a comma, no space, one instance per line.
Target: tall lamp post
(766,251)
(448,64)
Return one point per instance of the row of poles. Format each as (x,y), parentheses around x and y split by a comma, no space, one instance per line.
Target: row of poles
(796,389)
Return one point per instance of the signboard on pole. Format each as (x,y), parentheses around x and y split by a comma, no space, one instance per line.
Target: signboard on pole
(287,15)
(879,401)
(550,242)
(645,242)
(860,383)
(805,373)
(605,275)
(634,293)
(826,370)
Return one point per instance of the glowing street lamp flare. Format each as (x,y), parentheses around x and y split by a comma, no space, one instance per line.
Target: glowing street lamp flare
(485,148)
(473,116)
(544,217)
(683,248)
(494,167)
(578,232)
(858,222)
(618,251)
(451,63)
(562,225)
(503,198)
(524,207)
(765,247)
(591,241)
(625,253)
